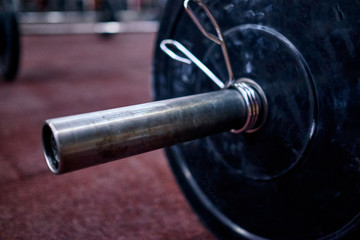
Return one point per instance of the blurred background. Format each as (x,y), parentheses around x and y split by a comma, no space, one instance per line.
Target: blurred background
(85,16)
(76,57)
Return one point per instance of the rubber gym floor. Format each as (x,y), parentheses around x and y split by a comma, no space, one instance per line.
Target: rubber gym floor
(133,198)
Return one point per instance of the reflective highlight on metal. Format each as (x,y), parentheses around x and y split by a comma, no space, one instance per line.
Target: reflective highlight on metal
(219,39)
(190,58)
(255,99)
(84,140)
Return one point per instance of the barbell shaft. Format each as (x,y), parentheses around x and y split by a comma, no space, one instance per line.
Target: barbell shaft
(84,140)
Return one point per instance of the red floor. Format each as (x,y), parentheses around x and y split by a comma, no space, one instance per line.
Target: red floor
(134,198)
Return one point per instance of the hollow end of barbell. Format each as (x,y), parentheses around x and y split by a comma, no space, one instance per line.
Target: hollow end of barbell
(80,141)
(50,149)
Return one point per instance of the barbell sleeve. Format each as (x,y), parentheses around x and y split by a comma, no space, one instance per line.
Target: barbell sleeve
(84,140)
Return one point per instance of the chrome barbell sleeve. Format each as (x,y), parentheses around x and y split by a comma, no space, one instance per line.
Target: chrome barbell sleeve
(84,140)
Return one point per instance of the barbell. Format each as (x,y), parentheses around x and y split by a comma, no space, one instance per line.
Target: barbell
(257,106)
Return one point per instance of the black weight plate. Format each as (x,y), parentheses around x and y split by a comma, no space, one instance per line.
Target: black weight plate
(9,44)
(299,176)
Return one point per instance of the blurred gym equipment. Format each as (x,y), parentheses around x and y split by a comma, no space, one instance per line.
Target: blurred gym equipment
(9,41)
